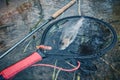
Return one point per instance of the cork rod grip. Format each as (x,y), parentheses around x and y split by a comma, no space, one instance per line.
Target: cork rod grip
(56,14)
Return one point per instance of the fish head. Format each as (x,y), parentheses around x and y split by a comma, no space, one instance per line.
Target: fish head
(64,43)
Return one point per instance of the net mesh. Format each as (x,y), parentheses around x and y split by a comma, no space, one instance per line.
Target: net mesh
(79,35)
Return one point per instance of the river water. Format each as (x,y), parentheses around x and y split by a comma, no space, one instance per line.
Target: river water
(19,24)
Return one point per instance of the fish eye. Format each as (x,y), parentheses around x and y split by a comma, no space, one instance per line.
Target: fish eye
(62,43)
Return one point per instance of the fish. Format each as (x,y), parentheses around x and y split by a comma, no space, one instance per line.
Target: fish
(69,34)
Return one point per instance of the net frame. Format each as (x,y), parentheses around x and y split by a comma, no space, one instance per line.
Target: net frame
(92,56)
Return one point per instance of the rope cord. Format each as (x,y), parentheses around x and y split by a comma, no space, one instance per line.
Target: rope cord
(59,68)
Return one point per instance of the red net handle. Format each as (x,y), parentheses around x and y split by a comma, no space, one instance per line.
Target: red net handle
(12,70)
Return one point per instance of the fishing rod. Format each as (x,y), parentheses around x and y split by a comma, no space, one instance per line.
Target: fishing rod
(54,16)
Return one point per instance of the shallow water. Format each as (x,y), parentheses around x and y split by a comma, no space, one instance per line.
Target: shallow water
(107,10)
